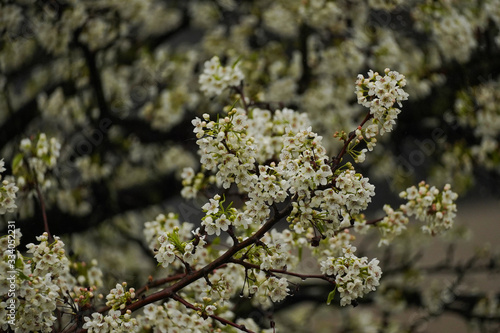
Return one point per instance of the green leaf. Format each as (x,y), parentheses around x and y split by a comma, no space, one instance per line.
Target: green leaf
(23,276)
(19,269)
(331,295)
(16,163)
(234,104)
(46,159)
(237,61)
(320,227)
(173,237)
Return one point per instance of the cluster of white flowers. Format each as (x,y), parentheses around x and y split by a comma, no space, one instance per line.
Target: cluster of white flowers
(119,296)
(192,182)
(487,153)
(368,135)
(233,145)
(8,191)
(114,321)
(379,94)
(324,14)
(455,36)
(428,204)
(354,276)
(335,207)
(40,283)
(355,189)
(452,26)
(392,225)
(247,138)
(487,307)
(333,247)
(437,295)
(47,150)
(217,218)
(43,281)
(36,302)
(67,111)
(280,20)
(74,201)
(215,77)
(173,317)
(173,246)
(229,147)
(303,161)
(267,129)
(225,146)
(167,251)
(278,251)
(83,296)
(90,171)
(41,155)
(276,289)
(50,258)
(478,107)
(165,223)
(225,284)
(385,4)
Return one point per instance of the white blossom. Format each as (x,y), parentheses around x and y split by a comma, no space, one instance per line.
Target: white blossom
(434,207)
(8,190)
(215,78)
(354,277)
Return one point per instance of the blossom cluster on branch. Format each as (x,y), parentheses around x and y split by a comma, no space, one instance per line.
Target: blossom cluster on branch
(100,100)
(7,193)
(319,195)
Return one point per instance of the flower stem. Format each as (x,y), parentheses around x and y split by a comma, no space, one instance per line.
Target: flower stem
(334,164)
(44,214)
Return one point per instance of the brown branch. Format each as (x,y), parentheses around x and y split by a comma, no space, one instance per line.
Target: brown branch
(159,282)
(282,271)
(305,79)
(220,319)
(44,215)
(95,77)
(145,288)
(372,222)
(334,164)
(223,259)
(241,91)
(461,273)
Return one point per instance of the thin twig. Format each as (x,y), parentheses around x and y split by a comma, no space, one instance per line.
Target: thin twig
(44,214)
(248,265)
(159,282)
(334,164)
(372,222)
(219,319)
(222,260)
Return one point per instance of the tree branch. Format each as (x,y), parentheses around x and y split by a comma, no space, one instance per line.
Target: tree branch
(219,319)
(223,259)
(282,271)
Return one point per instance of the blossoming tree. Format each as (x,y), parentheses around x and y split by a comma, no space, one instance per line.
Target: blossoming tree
(273,145)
